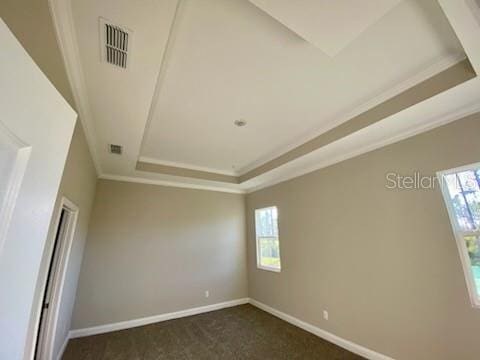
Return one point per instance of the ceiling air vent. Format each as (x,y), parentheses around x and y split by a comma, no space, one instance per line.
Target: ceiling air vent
(115,44)
(115,149)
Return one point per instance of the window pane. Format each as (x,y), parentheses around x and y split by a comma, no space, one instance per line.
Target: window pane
(268,248)
(463,188)
(269,252)
(267,222)
(473,247)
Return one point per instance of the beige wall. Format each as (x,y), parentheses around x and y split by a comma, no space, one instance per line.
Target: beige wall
(32,25)
(383,262)
(154,249)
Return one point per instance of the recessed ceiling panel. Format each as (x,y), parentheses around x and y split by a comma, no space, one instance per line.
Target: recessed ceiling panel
(330,25)
(229,61)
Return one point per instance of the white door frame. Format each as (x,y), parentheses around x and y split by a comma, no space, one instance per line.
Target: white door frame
(65,247)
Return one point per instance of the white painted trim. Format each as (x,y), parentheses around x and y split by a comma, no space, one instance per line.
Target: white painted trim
(458,234)
(268,268)
(287,175)
(464,17)
(59,280)
(432,70)
(172,34)
(61,13)
(337,340)
(154,319)
(151,160)
(64,346)
(169,183)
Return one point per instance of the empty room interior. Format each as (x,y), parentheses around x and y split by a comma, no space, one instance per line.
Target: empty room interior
(239,179)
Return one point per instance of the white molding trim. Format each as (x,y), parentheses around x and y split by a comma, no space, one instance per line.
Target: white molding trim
(432,70)
(289,170)
(154,319)
(337,340)
(174,26)
(464,17)
(61,13)
(290,174)
(64,346)
(59,280)
(151,160)
(140,180)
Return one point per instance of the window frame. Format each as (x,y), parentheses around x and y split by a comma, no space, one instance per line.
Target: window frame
(459,233)
(257,243)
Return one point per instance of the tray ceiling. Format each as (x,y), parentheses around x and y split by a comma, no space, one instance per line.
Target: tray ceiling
(229,60)
(196,67)
(328,25)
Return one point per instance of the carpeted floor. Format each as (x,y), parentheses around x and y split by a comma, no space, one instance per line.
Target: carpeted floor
(240,332)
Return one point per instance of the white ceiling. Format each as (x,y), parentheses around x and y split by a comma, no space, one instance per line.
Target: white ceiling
(229,60)
(224,60)
(329,25)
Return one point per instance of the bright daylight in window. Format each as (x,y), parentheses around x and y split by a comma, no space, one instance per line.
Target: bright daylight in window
(268,247)
(461,190)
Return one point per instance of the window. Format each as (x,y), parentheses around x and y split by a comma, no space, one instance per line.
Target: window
(268,247)
(461,192)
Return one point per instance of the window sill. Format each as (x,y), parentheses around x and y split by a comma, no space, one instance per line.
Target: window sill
(272,269)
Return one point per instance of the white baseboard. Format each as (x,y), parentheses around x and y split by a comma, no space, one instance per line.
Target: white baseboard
(348,345)
(153,319)
(64,346)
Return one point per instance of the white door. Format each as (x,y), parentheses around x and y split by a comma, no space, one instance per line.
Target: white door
(36,126)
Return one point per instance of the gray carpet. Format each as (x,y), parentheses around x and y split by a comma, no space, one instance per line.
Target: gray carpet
(240,332)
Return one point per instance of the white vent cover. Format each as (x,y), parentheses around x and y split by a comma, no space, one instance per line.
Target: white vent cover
(116,41)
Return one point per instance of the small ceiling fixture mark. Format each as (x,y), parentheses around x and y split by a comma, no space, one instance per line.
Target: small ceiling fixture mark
(115,149)
(240,122)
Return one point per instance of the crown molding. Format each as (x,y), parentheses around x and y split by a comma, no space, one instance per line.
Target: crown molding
(464,17)
(61,13)
(65,32)
(433,69)
(288,171)
(180,165)
(178,184)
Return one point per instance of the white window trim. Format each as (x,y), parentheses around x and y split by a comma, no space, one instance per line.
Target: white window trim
(259,265)
(462,249)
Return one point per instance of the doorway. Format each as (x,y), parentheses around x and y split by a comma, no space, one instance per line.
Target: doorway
(59,255)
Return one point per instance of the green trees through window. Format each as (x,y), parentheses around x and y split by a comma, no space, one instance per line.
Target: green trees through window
(268,247)
(462,194)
